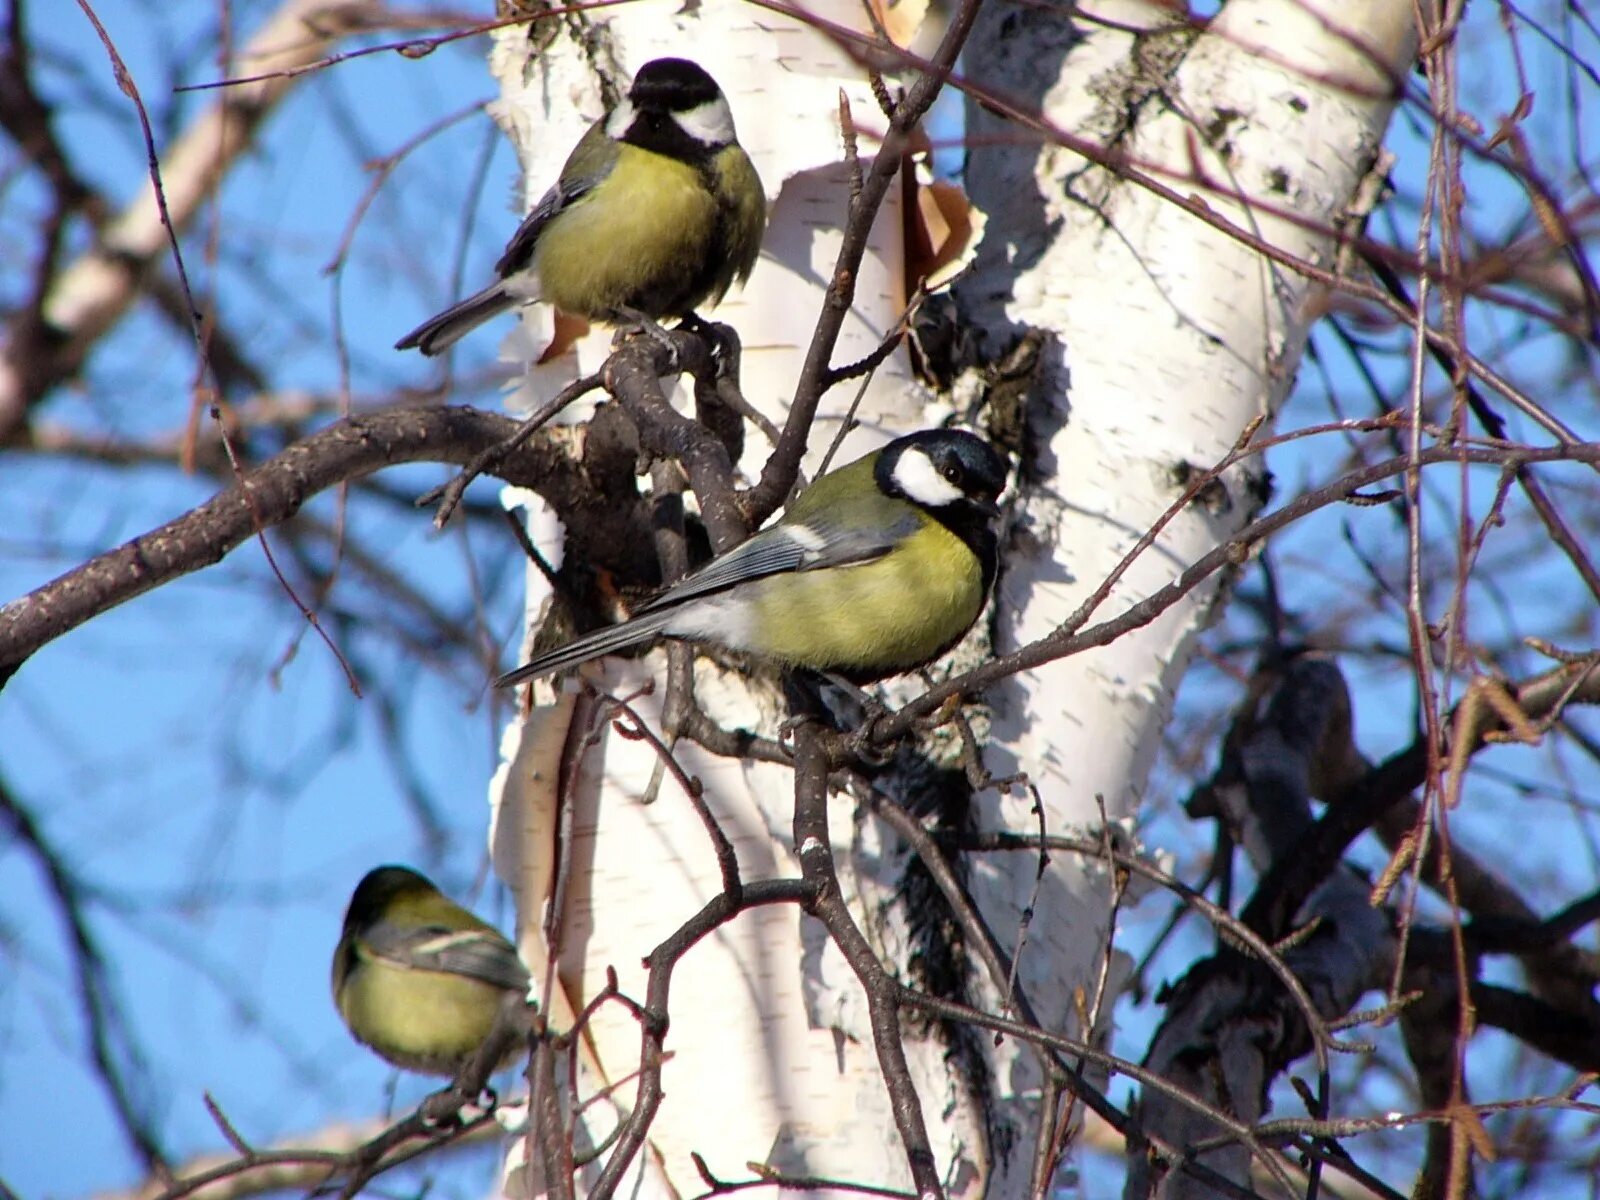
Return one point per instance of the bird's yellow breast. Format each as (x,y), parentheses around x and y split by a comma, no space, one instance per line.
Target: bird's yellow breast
(422,1020)
(877,617)
(640,239)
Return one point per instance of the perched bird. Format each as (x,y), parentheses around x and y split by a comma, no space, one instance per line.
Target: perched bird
(417,977)
(875,569)
(657,211)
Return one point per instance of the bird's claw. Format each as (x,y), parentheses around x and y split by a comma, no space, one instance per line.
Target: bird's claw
(633,322)
(696,324)
(441,1111)
(786,732)
(860,741)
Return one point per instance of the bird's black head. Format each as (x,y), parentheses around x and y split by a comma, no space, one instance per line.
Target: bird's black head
(673,107)
(943,469)
(378,887)
(955,477)
(673,85)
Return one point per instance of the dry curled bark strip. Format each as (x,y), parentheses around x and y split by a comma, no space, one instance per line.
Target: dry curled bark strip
(782,467)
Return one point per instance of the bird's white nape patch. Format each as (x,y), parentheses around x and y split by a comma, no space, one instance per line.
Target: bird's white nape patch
(806,538)
(619,120)
(920,480)
(710,123)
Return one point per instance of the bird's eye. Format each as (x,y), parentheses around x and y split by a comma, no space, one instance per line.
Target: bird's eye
(952,473)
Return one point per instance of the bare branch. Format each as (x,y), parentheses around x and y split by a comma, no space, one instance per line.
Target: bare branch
(270,495)
(49,342)
(117,1061)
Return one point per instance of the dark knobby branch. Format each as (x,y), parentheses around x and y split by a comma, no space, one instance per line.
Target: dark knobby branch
(633,375)
(812,759)
(1361,801)
(1229,1030)
(449,495)
(268,496)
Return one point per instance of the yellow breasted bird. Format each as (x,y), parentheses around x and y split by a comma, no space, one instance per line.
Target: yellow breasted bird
(657,211)
(418,978)
(875,569)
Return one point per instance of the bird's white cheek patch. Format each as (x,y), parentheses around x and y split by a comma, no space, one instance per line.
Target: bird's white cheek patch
(920,480)
(710,123)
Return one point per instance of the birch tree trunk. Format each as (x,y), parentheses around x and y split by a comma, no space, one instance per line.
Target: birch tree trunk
(1170,336)
(1162,334)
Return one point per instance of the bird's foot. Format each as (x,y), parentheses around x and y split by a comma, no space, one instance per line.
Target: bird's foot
(696,324)
(721,340)
(860,741)
(631,322)
(786,731)
(807,703)
(869,703)
(442,1110)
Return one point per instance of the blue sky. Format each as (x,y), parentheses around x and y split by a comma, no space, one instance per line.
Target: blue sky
(218,814)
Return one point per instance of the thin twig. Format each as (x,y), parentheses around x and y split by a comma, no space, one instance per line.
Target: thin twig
(449,494)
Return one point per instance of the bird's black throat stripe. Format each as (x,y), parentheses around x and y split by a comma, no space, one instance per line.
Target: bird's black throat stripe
(657,132)
(966,518)
(973,526)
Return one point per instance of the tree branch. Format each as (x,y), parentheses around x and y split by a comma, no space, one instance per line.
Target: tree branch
(270,495)
(49,342)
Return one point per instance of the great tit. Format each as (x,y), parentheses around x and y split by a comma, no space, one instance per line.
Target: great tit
(875,569)
(418,978)
(657,211)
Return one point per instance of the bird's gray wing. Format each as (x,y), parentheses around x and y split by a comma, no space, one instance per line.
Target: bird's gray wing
(573,185)
(475,953)
(519,250)
(793,547)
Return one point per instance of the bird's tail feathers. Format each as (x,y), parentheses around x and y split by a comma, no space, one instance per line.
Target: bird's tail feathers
(593,645)
(438,334)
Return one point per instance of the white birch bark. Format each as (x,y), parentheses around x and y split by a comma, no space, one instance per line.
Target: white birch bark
(1172,338)
(772,1058)
(1169,339)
